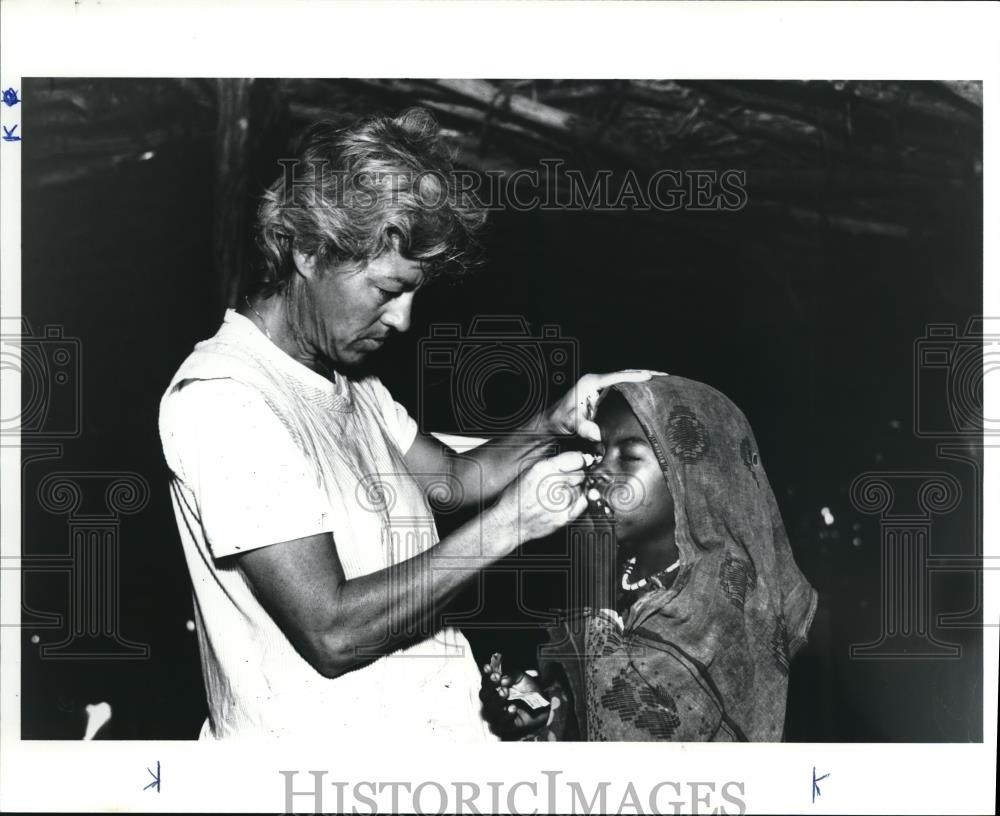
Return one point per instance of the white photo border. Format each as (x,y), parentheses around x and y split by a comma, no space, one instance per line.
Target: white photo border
(723,40)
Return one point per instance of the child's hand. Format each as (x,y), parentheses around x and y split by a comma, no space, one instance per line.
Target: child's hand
(513,704)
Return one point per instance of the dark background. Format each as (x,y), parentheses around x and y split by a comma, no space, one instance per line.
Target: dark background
(804,308)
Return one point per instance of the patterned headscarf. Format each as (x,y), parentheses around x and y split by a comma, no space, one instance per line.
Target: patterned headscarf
(706,658)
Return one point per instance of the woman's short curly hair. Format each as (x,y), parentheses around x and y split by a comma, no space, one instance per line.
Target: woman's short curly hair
(350,194)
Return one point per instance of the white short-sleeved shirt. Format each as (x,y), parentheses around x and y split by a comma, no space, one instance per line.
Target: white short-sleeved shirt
(244,452)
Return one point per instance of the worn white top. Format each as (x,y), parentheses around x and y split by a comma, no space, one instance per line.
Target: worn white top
(264,450)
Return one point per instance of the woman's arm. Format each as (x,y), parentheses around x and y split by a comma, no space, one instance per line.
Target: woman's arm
(339,625)
(484,471)
(480,473)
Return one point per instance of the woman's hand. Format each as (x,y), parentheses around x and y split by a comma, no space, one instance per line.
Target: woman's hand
(574,413)
(546,497)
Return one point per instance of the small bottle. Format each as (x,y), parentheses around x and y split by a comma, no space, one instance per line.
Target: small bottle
(597,506)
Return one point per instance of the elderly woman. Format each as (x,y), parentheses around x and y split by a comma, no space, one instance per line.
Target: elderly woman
(299,484)
(692,638)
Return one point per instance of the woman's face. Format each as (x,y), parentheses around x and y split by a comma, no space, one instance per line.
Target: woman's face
(349,315)
(630,476)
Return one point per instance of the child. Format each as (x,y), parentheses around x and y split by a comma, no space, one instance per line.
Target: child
(710,605)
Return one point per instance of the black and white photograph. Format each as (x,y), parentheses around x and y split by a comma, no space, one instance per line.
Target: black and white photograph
(451,413)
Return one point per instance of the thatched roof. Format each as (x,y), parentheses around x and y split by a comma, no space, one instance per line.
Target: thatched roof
(859,140)
(890,159)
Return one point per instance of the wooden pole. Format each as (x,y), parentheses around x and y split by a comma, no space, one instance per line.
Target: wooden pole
(231,167)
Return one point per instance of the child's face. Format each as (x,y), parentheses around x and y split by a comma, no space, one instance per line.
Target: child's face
(643,505)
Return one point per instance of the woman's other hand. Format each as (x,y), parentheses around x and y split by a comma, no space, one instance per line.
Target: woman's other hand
(546,497)
(574,414)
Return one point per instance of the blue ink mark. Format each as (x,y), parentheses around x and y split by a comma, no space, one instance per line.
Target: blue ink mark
(816,781)
(10,98)
(9,135)
(156,778)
